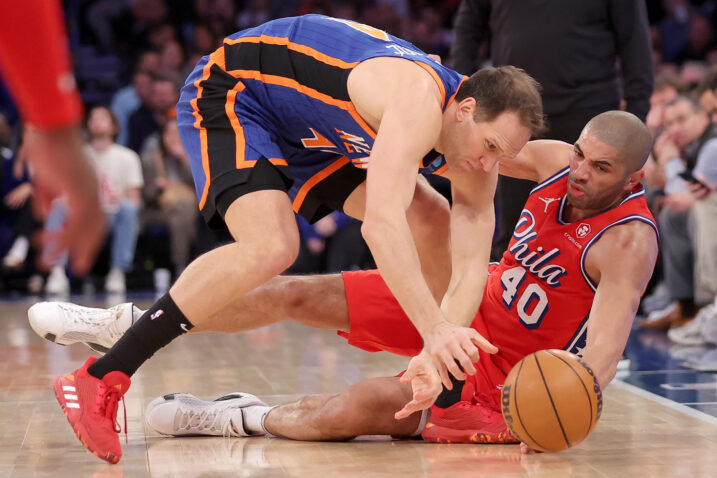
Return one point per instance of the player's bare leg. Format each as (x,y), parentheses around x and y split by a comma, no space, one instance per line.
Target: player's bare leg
(267,242)
(366,408)
(317,301)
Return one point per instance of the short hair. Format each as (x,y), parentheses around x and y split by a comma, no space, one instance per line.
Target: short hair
(668,80)
(627,133)
(696,107)
(708,82)
(502,89)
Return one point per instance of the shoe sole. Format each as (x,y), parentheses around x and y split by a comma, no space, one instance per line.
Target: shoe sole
(108,457)
(438,434)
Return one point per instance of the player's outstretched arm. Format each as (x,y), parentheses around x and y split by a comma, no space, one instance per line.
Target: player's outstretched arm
(621,262)
(410,122)
(537,161)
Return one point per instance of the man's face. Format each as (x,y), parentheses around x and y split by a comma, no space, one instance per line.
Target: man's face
(164,95)
(708,102)
(597,177)
(100,123)
(480,145)
(684,123)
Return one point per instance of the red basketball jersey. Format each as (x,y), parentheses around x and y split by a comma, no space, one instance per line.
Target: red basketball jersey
(539,296)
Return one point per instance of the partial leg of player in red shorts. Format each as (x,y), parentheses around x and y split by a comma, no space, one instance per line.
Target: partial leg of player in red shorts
(355,306)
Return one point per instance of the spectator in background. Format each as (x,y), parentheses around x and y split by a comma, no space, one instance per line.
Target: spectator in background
(17,222)
(667,87)
(168,194)
(120,177)
(153,115)
(332,244)
(128,100)
(571,49)
(706,96)
(254,13)
(689,144)
(173,59)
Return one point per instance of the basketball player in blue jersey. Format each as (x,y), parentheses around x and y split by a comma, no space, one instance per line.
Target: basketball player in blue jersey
(313,114)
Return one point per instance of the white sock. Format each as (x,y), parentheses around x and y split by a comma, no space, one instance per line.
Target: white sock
(254,419)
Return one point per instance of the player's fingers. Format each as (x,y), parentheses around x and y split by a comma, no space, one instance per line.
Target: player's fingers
(483,343)
(459,357)
(408,409)
(467,357)
(526,450)
(444,376)
(470,348)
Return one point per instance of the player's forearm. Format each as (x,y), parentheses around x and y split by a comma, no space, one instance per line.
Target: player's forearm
(471,233)
(394,252)
(607,339)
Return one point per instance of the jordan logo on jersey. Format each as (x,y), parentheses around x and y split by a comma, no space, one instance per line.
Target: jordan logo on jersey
(547,201)
(537,262)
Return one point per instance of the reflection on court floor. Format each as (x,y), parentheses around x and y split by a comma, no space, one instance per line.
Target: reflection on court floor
(639,433)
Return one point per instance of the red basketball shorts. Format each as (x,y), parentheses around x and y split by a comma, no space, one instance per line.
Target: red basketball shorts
(378,323)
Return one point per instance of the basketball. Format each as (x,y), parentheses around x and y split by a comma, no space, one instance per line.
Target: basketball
(551,400)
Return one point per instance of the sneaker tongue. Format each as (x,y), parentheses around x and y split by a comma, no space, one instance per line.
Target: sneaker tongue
(118,380)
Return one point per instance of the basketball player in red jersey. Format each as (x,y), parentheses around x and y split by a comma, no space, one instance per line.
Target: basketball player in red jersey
(580,258)
(35,61)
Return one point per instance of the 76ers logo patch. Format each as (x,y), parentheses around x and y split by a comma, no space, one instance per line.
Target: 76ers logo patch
(582,230)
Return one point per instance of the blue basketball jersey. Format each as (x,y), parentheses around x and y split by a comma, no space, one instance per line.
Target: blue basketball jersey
(279,91)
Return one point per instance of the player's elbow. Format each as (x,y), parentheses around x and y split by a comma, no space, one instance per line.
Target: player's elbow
(375,228)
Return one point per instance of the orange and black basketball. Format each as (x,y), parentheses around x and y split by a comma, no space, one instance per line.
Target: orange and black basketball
(551,400)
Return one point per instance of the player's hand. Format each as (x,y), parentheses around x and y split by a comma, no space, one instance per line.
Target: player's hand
(526,450)
(17,198)
(425,382)
(450,345)
(61,168)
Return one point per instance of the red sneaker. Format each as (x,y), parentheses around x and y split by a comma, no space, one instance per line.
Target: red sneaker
(90,405)
(467,422)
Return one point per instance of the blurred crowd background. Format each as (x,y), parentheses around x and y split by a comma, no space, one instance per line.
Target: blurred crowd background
(131,58)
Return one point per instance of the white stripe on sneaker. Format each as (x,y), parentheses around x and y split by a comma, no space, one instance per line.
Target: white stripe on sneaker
(68,388)
(72,405)
(69,396)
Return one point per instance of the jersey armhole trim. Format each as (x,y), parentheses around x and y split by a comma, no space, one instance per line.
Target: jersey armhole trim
(634,217)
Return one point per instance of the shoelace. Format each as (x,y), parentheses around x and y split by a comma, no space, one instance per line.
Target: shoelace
(107,403)
(207,420)
(96,319)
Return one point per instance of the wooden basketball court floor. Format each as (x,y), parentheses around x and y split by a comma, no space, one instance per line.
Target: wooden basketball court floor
(639,434)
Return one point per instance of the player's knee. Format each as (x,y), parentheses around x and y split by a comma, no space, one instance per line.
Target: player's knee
(281,249)
(433,208)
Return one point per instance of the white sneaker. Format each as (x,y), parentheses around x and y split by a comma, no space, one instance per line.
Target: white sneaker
(57,282)
(182,414)
(65,323)
(692,332)
(708,326)
(17,254)
(114,282)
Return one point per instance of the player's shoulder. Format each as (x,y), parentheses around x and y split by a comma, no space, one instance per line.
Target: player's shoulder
(548,156)
(634,240)
(629,232)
